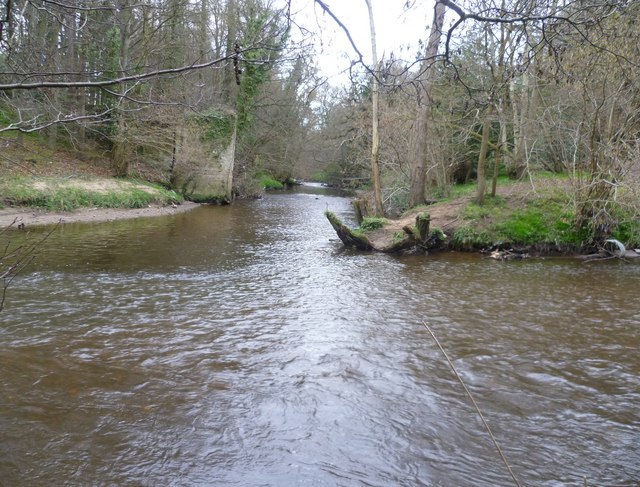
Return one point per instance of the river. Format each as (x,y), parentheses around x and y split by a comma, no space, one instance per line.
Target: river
(245,346)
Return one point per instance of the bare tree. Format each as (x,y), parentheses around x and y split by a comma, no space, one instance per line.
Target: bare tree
(418,148)
(375,116)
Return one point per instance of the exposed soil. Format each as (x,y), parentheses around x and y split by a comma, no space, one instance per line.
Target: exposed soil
(445,216)
(84,169)
(30,157)
(26,217)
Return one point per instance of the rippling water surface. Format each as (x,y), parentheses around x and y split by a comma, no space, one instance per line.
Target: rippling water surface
(244,346)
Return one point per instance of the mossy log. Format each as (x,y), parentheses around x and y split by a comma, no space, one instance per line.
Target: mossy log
(348,236)
(420,231)
(386,239)
(423,220)
(408,241)
(360,207)
(414,236)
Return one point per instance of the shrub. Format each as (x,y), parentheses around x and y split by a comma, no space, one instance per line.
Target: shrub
(370,224)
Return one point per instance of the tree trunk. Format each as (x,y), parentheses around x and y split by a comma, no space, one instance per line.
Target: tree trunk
(120,152)
(482,158)
(375,139)
(230,88)
(496,162)
(52,95)
(417,157)
(348,237)
(522,126)
(418,144)
(502,144)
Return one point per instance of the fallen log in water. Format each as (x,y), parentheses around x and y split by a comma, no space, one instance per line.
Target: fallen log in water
(392,237)
(349,237)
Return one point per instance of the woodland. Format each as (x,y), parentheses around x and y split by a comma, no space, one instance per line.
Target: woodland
(497,91)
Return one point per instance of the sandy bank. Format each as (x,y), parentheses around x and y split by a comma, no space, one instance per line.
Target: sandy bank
(34,216)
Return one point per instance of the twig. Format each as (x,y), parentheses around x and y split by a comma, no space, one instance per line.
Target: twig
(19,258)
(486,425)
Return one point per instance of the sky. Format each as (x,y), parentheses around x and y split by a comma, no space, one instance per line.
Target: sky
(396,27)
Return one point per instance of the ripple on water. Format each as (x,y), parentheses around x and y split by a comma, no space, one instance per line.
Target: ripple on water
(257,351)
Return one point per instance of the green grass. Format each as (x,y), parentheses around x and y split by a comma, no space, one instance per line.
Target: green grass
(540,221)
(545,218)
(525,227)
(5,116)
(398,236)
(268,182)
(466,190)
(470,238)
(370,224)
(58,195)
(628,229)
(492,207)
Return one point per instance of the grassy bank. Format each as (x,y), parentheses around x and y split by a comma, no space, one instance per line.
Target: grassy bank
(541,214)
(67,194)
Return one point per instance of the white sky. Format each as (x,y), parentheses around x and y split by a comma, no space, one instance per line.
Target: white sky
(396,26)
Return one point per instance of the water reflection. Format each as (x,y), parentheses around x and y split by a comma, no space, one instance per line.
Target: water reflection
(244,346)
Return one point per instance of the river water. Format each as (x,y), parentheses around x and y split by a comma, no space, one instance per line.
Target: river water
(244,346)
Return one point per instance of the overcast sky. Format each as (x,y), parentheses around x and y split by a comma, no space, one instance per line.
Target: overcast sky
(396,26)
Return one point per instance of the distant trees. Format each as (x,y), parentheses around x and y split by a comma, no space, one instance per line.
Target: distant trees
(497,87)
(514,86)
(122,75)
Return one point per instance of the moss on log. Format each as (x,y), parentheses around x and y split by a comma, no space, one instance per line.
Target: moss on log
(348,236)
(399,244)
(360,207)
(423,220)
(390,238)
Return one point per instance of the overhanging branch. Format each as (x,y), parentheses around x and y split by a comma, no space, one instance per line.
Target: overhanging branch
(114,81)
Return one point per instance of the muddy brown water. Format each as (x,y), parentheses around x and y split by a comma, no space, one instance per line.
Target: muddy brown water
(244,346)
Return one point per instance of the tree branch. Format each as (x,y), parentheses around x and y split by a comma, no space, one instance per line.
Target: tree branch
(326,8)
(114,81)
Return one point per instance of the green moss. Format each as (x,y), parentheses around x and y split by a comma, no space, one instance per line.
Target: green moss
(216,126)
(437,234)
(207,198)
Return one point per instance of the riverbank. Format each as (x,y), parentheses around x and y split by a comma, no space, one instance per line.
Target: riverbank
(27,217)
(46,200)
(536,217)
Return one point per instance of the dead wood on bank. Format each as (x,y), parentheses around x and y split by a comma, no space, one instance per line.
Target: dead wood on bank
(350,238)
(391,238)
